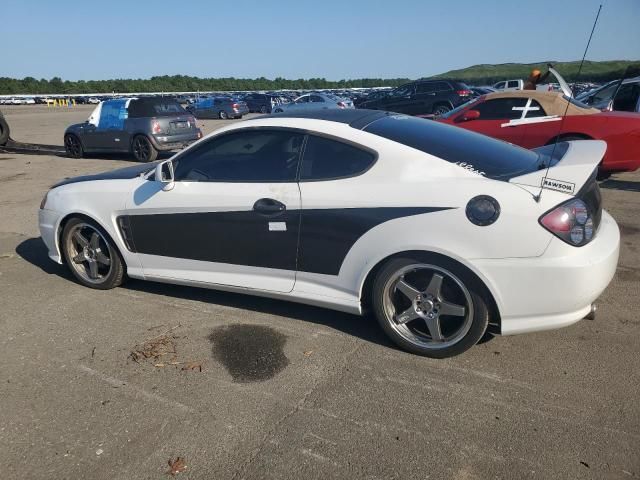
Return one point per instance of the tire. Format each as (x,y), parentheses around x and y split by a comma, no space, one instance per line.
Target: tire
(223,115)
(409,296)
(441,109)
(143,150)
(278,110)
(4,130)
(263,109)
(90,254)
(73,146)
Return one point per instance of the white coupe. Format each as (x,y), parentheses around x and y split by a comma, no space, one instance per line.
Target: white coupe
(437,230)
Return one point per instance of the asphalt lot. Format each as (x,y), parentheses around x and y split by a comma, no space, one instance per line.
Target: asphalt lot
(288,391)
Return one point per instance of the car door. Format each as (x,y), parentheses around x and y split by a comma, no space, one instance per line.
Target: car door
(538,127)
(400,100)
(106,135)
(495,117)
(426,94)
(332,220)
(316,101)
(232,216)
(299,103)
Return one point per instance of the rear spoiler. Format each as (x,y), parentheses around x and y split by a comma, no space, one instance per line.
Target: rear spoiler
(571,172)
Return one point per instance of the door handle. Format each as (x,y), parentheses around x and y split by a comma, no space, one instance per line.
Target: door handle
(269,206)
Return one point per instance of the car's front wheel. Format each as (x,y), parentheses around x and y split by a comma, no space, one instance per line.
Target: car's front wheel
(93,260)
(143,150)
(73,146)
(263,109)
(430,307)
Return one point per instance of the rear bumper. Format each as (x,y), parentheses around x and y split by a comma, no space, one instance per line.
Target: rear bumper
(557,288)
(175,142)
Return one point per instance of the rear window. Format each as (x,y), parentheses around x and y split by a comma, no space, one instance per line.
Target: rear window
(486,156)
(154,108)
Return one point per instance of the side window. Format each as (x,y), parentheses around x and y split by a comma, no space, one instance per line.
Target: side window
(499,85)
(501,108)
(604,94)
(426,87)
(443,87)
(627,97)
(113,115)
(513,84)
(304,99)
(326,159)
(535,110)
(250,156)
(316,99)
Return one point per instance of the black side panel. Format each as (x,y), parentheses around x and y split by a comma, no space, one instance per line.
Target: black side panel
(244,238)
(328,235)
(239,238)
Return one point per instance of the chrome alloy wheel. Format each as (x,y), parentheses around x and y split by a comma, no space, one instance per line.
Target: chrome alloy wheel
(89,253)
(428,306)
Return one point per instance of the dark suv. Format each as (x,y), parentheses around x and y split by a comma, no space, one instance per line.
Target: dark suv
(422,97)
(141,126)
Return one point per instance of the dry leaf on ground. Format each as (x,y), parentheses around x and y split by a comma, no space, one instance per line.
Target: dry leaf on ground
(176,466)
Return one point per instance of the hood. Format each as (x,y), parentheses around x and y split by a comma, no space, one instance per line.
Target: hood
(563,85)
(119,174)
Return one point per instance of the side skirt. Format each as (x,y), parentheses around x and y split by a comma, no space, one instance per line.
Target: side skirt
(351,306)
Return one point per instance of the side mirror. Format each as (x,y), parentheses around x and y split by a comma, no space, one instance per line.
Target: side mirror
(468,116)
(164,174)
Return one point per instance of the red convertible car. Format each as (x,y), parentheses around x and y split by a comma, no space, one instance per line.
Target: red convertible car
(531,118)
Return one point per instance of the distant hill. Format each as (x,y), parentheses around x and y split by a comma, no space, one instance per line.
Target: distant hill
(591,71)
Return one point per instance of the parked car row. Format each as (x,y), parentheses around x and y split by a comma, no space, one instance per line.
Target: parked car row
(531,119)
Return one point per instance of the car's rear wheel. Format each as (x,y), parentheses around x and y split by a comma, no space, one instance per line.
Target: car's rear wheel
(430,307)
(263,109)
(441,109)
(93,260)
(143,150)
(73,146)
(278,110)
(223,115)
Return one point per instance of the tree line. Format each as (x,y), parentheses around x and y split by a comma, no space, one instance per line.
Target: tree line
(179,83)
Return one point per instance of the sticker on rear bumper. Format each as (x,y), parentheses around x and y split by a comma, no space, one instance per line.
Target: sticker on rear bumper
(559,185)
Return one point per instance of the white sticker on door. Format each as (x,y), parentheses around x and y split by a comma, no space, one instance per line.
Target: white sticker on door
(277,226)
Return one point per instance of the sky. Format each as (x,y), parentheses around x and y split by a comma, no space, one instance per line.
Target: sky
(94,40)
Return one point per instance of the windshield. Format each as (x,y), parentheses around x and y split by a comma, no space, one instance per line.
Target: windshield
(480,154)
(459,108)
(575,102)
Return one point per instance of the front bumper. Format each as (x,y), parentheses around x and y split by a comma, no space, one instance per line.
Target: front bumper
(557,288)
(48,221)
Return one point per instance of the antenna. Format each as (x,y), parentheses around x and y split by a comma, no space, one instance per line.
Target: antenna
(555,144)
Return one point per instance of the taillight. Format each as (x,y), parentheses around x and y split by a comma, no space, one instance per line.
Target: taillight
(192,121)
(464,93)
(235,106)
(571,221)
(341,105)
(155,127)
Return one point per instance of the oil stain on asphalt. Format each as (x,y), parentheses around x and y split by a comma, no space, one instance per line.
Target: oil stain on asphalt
(250,353)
